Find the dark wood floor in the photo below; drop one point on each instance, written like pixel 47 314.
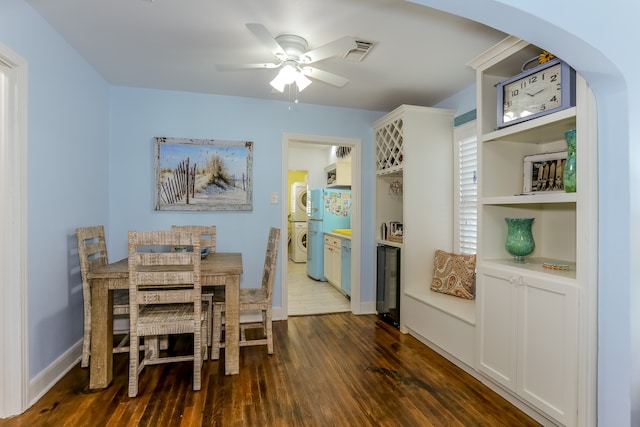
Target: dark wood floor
pixel 329 370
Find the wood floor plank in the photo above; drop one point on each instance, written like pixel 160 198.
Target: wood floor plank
pixel 329 370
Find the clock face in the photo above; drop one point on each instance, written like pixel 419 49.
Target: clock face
pixel 533 94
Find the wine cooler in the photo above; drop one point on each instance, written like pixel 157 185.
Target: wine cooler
pixel 388 284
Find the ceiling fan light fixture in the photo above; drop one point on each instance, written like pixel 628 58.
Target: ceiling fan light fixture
pixel 277 84
pixel 288 74
pixel 302 81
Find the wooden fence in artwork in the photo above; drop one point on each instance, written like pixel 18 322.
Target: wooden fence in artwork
pixel 180 187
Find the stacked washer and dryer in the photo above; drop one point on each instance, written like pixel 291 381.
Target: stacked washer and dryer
pixel 298 221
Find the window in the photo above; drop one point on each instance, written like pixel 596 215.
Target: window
pixel 466 188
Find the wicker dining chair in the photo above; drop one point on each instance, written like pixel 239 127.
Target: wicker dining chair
pixel 165 299
pixel 207 240
pixel 207 234
pixel 92 251
pixel 251 299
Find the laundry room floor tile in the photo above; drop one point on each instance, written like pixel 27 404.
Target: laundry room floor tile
pixel 308 296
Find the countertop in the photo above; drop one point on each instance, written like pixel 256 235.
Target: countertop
pixel 339 236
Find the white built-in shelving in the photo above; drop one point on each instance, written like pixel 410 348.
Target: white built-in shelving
pixel 536 327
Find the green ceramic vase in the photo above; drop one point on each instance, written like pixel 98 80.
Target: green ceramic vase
pixel 519 238
pixel 569 173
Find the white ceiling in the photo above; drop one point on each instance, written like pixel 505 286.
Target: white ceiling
pixel 419 54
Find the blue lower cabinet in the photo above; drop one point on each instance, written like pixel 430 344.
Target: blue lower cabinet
pixel 345 261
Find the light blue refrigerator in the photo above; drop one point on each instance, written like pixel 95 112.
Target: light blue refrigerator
pixel 327 209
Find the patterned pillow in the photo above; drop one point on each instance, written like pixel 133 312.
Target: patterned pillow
pixel 454 274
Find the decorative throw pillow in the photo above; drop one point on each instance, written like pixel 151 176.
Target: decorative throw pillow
pixel 454 274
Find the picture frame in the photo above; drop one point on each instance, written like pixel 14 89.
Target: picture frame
pixel 203 174
pixel 543 172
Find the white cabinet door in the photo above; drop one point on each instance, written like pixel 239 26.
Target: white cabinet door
pixel 527 336
pixel 328 261
pixel 337 264
pixel 496 301
pixel 548 347
pixel 333 260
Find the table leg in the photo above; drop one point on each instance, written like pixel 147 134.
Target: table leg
pixel 232 325
pixel 101 360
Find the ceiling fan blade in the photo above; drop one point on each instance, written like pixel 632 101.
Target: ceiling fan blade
pixel 334 48
pixel 261 32
pixel 224 67
pixel 325 76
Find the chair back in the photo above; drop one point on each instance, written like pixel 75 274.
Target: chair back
pixel 92 251
pixel 270 261
pixel 207 234
pixel 164 277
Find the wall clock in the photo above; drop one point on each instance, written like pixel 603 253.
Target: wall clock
pixel 544 89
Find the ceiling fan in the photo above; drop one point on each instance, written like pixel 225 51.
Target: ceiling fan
pixel 294 58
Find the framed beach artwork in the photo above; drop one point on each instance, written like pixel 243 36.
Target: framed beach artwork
pixel 203 174
pixel 543 172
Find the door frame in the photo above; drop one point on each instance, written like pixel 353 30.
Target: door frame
pixel 356 212
pixel 14 339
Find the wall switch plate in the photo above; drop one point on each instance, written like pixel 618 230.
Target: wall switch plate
pixel 274 198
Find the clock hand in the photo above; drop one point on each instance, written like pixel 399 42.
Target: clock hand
pixel 535 93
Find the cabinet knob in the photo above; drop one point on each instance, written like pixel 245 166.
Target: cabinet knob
pixel 517 281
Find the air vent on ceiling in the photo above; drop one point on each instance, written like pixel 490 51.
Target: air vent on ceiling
pixel 359 52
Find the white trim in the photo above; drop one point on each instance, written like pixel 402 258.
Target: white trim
pixel 368 307
pixel 53 373
pixel 14 342
pixel 356 213
pixel 514 400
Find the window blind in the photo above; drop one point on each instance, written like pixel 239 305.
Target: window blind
pixel 467 192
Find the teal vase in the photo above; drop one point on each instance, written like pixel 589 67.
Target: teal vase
pixel 519 238
pixel 569 173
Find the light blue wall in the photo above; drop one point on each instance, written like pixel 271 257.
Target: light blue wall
pixel 462 102
pixel 67 175
pixel 139 115
pixel 597 38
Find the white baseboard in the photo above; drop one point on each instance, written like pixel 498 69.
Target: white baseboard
pixel 277 314
pixel 48 377
pixel 451 358
pixel 365 308
pixel 514 400
pixel 368 307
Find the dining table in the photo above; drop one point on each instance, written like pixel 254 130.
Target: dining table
pixel 216 269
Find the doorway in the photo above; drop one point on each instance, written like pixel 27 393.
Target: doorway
pixel 318 148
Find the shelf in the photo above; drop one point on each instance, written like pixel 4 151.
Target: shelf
pixel 338 175
pixel 532 198
pixel 539 131
pixel 534 265
pixel 390 172
pixel 388 243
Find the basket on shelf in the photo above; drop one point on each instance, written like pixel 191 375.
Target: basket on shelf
pixel 396 239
